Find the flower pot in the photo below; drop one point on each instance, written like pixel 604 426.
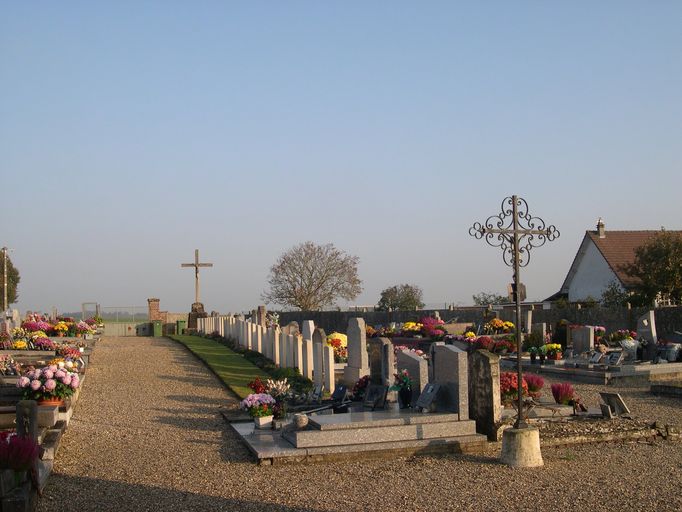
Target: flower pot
pixel 555 357
pixel 405 395
pixel 52 402
pixel 542 359
pixel 533 358
pixel 263 421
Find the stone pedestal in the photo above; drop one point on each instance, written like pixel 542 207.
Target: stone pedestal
pixel 197 312
pixel 521 448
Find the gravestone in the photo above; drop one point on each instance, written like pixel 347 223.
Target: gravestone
pixel 484 392
pixel 418 370
pixel 646 330
pixel 596 358
pixel 450 370
pixel 540 328
pixel 27 419
pixel 583 339
pixel 427 397
pixel 261 315
pixel 319 339
pixel 432 357
pixel 358 359
pixel 307 329
pixel 528 317
pixel 381 361
pixel 291 328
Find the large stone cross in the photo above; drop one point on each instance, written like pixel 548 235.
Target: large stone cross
pixel 196 266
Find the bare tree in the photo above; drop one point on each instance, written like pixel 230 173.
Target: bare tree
pixel 310 277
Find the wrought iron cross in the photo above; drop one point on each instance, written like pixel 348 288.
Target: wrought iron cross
pixel 516 232
pixel 196 266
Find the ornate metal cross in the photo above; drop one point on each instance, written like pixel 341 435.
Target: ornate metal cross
pixel 516 232
pixel 196 266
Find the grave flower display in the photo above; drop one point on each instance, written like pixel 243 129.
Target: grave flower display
pixel 260 408
pixel 339 343
pixel 61 328
pixel 83 328
pixel 18 454
pixel 563 393
pixel 553 350
pixel 279 390
pixel 402 383
pixel 411 329
pixel 509 387
pixel 497 326
pixel 44 343
pixel 535 384
pixel 8 366
pixel 360 387
pixel 50 383
pixel 433 328
pixel 622 334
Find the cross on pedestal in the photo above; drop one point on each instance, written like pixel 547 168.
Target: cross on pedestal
pixel 196 266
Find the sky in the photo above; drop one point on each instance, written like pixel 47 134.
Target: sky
pixel 132 133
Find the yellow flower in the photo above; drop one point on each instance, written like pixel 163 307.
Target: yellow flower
pixel 19 345
pixel 339 336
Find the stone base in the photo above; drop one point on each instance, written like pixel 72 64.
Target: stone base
pixel 351 375
pixel 521 448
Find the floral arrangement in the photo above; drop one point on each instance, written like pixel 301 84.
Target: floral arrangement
pixel 401 380
pixel 61 328
pixel 69 352
pixel 48 383
pixel 19 453
pixel 469 335
pixel 19 345
pixel 84 328
pixel 622 334
pixel 339 343
pixel 552 349
pixel 497 326
pixel 381 332
pixel 535 384
pixel 433 328
pixel 415 351
pixel 8 366
pixel 36 325
pixel 271 320
pixel 509 386
pixel 490 344
pixel 278 389
pixel 563 393
pixel 44 343
pixel 258 404
pixel 19 333
pixel 257 385
pixel 360 387
pixel 411 329
pixel 599 331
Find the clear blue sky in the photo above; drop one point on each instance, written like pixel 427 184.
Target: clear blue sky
pixel 132 133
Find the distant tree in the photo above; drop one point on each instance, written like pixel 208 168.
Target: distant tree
pixel 310 277
pixel 403 297
pixel 658 268
pixel 614 295
pixel 484 298
pixel 12 281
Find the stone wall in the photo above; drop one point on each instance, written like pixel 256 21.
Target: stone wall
pixel 332 321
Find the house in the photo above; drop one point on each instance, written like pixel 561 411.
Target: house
pixel 599 262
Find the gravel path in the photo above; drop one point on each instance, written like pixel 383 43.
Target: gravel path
pixel 147 435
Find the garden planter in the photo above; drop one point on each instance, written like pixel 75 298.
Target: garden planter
pixel 52 402
pixel 263 421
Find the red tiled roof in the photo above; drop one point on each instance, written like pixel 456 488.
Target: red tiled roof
pixel 618 249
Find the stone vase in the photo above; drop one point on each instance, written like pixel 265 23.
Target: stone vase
pixel 405 395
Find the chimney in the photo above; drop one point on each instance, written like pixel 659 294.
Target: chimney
pixel 601 228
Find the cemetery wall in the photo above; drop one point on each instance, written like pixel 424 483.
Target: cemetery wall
pixel 332 321
pixel 668 319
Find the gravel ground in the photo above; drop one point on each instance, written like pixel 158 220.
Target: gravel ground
pixel 147 435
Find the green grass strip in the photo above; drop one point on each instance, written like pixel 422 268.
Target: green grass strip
pixel 235 371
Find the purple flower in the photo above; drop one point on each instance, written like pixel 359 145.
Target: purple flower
pixel 67 380
pixel 53 367
pixel 48 374
pixel 35 385
pixel 75 382
pixel 50 384
pixel 59 374
pixel 23 382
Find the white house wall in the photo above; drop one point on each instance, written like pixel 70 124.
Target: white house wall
pixel 592 276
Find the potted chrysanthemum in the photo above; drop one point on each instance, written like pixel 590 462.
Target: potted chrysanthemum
pixel 49 385
pixel 260 407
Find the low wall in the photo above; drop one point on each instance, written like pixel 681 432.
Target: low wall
pixel 668 320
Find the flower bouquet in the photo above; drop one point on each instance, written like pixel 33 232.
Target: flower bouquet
pixel 61 328
pixel 260 408
pixel 509 387
pixel 339 343
pixel 50 383
pixel 402 383
pixel 18 454
pixel 553 351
